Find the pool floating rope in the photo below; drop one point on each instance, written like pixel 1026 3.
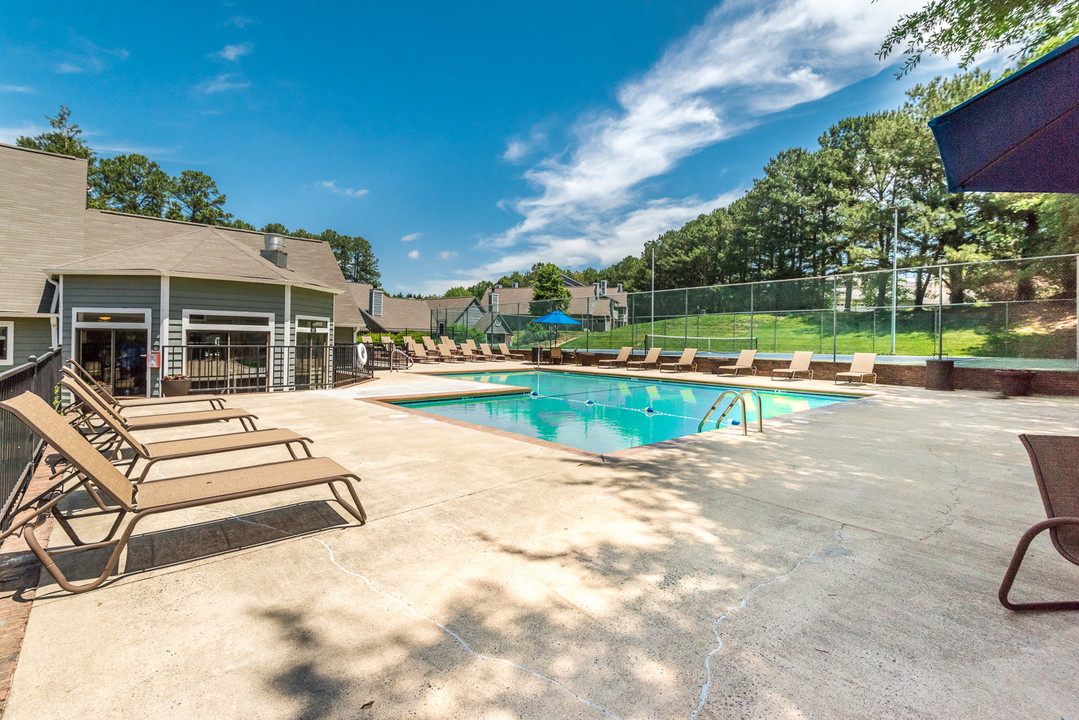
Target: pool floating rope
pixel 649 409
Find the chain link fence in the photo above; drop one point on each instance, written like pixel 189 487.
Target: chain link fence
pixel 1006 313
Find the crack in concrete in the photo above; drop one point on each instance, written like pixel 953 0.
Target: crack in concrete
pixel 949 518
pixel 461 641
pixel 715 631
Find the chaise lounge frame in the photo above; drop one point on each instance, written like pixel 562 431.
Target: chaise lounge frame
pixel 93 471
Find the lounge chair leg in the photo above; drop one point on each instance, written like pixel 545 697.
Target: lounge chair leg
pixel 357 510
pixel 47 562
pixel 1017 560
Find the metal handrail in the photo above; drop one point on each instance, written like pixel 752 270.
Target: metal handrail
pixel 737 398
pixel 398 351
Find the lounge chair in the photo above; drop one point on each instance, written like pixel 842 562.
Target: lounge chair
pixel 510 354
pixel 651 359
pixel 620 360
pixel 861 367
pixel 555 356
pixel 1055 459
pixel 485 350
pixel 685 362
pixel 417 353
pixel 445 355
pixel 429 345
pixel 86 396
pixel 366 340
pixel 80 372
pixel 744 362
pixel 159 496
pixel 467 354
pixel 799 364
pixel 189 447
pixel 451 345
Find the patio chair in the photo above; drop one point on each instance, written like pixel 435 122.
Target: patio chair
pixel 744 362
pixel 79 371
pixel 451 345
pixel 87 398
pixel 620 360
pixel 510 354
pixel 555 356
pixel 682 363
pixel 651 359
pixel 419 354
pixel 91 470
pixel 429 345
pixel 1055 460
pixel 467 354
pixel 485 350
pixel 188 447
pixel 861 367
pixel 366 340
pixel 799 364
pixel 445 355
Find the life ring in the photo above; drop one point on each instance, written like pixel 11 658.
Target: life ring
pixel 361 353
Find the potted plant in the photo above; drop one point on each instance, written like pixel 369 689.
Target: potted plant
pixel 175 385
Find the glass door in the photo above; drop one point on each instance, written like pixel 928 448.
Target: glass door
pixel 115 358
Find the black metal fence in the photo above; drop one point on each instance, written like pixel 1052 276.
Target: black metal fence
pixel 223 369
pixel 20 448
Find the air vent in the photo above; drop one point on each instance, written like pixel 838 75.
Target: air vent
pixel 376 303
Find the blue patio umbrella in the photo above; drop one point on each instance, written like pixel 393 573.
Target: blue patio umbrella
pixel 1021 134
pixel 556 317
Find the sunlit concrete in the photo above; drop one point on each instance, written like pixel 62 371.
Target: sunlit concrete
pixel 843 564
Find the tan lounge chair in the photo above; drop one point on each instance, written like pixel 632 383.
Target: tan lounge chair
pixel 555 356
pixel 651 359
pixel 467 354
pixel 1055 459
pixel 485 350
pixel 429 345
pixel 189 447
pixel 91 469
pixel 619 361
pixel 80 372
pixel 85 395
pixel 799 364
pixel 366 340
pixel 744 362
pixel 418 353
pixel 510 354
pixel 685 362
pixel 861 367
pixel 445 355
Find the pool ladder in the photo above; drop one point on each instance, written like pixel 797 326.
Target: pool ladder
pixel 407 361
pixel 737 398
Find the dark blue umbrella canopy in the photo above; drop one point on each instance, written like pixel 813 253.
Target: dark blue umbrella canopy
pixel 557 318
pixel 1021 134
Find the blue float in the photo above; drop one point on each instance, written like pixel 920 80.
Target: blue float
pixel 649 409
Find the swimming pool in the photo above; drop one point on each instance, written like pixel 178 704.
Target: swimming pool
pixel 602 414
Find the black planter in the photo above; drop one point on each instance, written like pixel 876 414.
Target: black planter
pixel 1015 382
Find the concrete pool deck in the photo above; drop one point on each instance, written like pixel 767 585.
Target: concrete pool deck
pixel 843 564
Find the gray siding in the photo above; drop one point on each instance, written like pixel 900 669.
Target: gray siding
pixel 311 303
pixel 114 292
pixel 344 335
pixel 223 296
pixel 31 336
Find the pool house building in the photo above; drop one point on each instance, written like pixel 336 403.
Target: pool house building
pixel 135 298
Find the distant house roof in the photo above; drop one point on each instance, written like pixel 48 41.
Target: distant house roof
pixel 583 301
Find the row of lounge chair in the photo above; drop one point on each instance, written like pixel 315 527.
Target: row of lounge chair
pixel 861 367
pixel 449 351
pixel 99 430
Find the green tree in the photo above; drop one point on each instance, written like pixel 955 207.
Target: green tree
pixel 131 184
pixel 548 291
pixel 355 256
pixel 967 27
pixel 457 291
pixel 64 139
pixel 240 225
pixel 195 198
pixel 275 228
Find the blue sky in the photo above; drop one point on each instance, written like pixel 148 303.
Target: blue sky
pixel 463 140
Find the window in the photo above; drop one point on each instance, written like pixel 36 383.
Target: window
pixel 7 339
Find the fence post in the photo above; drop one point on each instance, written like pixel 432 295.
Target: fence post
pixel 940 311
pixel 835 341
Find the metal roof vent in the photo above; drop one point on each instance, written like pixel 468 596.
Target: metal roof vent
pixel 275 250
pixel 603 288
pixel 376 303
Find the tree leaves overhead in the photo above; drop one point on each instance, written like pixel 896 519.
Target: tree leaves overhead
pixel 965 28
pixel 131 184
pixel 64 139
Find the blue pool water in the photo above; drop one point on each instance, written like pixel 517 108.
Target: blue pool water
pixel 604 414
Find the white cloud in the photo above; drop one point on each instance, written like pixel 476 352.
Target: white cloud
pixel 87 57
pixel 9 135
pixel 234 52
pixel 66 68
pixel 331 185
pixel 238 21
pixel 414 254
pixel 515 150
pixel 223 83
pixel 16 89
pixel 447 255
pixel 745 61
pixel 411 236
